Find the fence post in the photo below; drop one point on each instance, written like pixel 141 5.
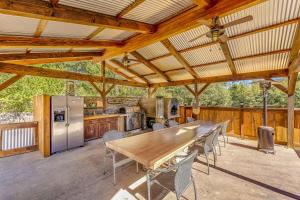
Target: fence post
pixel 242 120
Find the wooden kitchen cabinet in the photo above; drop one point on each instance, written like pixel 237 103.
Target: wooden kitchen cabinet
pixel 95 128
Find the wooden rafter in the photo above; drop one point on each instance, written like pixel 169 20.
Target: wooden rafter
pixel 40 28
pixel 149 65
pixel 227 78
pixel 116 71
pixel 202 3
pixel 95 33
pixel 226 51
pixel 32 42
pixel 135 4
pixel 129 70
pixel 10 81
pixel 38 71
pixel 43 10
pixel 179 57
pixel 56 57
pixel 178 24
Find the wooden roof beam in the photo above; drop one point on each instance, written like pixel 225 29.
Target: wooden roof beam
pixel 129 8
pixel 50 73
pixel 178 24
pixel 227 54
pixel 294 62
pixel 32 42
pixel 10 81
pixel 179 57
pixel 150 65
pixel 43 10
pixel 227 78
pixel 95 33
pixel 130 71
pixel 118 72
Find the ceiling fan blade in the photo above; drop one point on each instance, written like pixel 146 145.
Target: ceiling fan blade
pixel 223 38
pixel 239 21
pixel 207 23
pixel 197 38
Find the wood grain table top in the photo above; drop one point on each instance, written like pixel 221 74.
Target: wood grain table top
pixel 154 148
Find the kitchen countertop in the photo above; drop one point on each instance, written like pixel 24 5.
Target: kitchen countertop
pixel 103 116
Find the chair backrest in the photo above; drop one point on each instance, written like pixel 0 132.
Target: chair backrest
pixel 224 127
pixel 189 119
pixel 158 126
pixel 216 133
pixel 184 173
pixel 172 123
pixel 112 135
pixel 210 139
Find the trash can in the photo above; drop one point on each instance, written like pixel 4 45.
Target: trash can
pixel 266 139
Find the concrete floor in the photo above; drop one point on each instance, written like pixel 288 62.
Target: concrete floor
pixel 241 173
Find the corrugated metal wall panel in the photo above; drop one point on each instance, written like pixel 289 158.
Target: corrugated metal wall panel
pixel 155 79
pixel 15 25
pixel 154 50
pixel 181 41
pixel 109 7
pixel 4 50
pixel 263 42
pixel 179 75
pixel 154 11
pixel 262 63
pixel 113 34
pixel 264 14
pixel 204 55
pixel 67 30
pixel 213 70
pixel 141 69
pixel 167 63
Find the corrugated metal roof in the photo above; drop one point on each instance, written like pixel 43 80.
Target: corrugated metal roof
pixel 109 7
pixel 49 50
pixel 181 41
pixel 113 34
pixel 167 63
pixel 141 69
pixel 204 55
pixel 4 50
pixel 272 40
pixel 154 11
pixel 154 50
pixel 179 75
pixel 262 63
pixel 87 50
pixel 155 78
pixel 67 30
pixel 213 70
pixel 264 14
pixel 120 69
pixel 15 25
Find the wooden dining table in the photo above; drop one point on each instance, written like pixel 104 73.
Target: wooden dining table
pixel 152 149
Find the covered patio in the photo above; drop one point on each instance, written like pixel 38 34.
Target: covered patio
pixel 242 172
pixel 150 44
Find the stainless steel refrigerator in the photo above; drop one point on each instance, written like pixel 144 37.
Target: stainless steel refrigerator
pixel 66 123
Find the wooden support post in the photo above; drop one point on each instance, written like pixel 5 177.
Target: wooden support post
pixel 196 95
pixel 103 93
pixel 291 122
pixel 151 92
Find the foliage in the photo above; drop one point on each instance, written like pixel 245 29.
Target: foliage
pixel 18 97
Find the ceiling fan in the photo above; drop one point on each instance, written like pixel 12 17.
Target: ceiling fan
pixel 217 31
pixel 126 60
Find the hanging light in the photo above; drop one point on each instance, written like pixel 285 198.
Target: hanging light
pixel 215 35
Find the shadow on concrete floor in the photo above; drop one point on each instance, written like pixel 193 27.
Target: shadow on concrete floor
pixel 261 184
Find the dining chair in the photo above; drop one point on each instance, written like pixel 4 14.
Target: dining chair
pixel 224 131
pixel 205 145
pixel 189 119
pixel 178 177
pixel 158 126
pixel 172 123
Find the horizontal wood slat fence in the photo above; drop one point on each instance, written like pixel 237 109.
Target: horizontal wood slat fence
pixel 245 121
pixel 17 138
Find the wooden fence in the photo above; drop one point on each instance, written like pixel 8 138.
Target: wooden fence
pixel 17 138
